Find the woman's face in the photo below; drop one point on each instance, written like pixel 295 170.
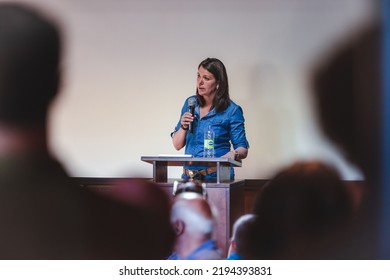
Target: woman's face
pixel 206 83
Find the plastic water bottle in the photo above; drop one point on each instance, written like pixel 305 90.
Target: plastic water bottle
pixel 208 151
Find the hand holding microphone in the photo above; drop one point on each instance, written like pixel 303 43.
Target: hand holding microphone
pixel 191 110
pixel 188 117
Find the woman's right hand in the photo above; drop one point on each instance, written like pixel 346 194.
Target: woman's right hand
pixel 179 137
pixel 186 119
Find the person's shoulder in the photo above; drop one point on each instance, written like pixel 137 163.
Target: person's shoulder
pixel 234 256
pixel 124 218
pixel 190 97
pixel 234 107
pixel 185 105
pixel 233 104
pixel 208 254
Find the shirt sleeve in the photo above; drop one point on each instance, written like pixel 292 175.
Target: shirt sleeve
pixel 237 129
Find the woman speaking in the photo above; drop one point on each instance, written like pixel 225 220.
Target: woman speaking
pixel 213 109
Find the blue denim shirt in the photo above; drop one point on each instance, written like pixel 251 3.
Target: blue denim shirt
pixel 208 250
pixel 228 127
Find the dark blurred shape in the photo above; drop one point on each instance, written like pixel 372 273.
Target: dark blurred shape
pixel 300 212
pixel 43 214
pixel 30 51
pixel 347 91
pixel 347 87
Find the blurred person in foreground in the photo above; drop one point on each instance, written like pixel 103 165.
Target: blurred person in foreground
pixel 346 85
pixel 43 214
pixel 238 243
pixel 193 220
pixel 300 214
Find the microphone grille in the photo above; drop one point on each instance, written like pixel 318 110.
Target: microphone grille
pixel 192 101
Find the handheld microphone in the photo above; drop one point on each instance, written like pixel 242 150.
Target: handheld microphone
pixel 191 109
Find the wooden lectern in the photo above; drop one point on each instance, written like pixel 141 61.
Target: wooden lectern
pixel 161 163
pixel 225 195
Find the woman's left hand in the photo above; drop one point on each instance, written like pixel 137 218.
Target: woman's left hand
pixel 231 155
pixel 238 154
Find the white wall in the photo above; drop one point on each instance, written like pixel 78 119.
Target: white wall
pixel 129 65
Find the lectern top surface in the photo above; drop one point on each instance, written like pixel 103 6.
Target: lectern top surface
pixel 180 160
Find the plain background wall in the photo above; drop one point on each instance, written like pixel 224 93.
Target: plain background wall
pixel 129 65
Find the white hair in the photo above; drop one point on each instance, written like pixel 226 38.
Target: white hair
pixel 196 223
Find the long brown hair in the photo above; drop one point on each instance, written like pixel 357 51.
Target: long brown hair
pixel 222 98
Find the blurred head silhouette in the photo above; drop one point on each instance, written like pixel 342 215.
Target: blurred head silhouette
pixel 346 87
pixel 44 214
pixel 297 210
pixel 29 64
pixel 347 90
pixel 239 240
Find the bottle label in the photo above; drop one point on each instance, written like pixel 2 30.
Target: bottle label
pixel 209 144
